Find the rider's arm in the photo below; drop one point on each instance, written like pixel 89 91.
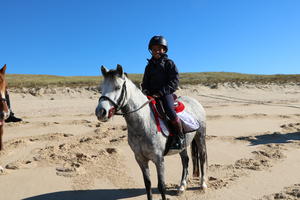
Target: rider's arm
pixel 145 82
pixel 173 78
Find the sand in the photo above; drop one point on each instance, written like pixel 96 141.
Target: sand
pixel 61 151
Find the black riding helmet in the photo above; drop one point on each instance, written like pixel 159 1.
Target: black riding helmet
pixel 158 40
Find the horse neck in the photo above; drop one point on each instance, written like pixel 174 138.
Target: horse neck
pixel 135 100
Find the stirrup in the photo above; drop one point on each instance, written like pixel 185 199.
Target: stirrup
pixel 178 144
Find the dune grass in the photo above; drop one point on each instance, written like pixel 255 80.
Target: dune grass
pixel 34 81
pixel 204 78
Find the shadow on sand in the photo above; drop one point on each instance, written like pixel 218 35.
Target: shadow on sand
pixel 101 194
pixel 107 194
pixel 275 138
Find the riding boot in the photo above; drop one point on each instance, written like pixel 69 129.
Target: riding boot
pixel 12 118
pixel 178 139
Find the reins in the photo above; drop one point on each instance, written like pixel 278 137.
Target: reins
pixel 118 106
pixel 147 102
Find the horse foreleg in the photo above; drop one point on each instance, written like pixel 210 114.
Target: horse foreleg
pixel 185 163
pixel 144 165
pixel 160 167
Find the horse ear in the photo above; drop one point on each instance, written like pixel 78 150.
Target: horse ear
pixel 120 70
pixel 2 70
pixel 104 70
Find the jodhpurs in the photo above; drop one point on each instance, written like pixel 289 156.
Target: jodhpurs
pixel 168 104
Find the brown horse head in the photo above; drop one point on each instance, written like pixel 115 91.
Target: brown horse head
pixel 4 111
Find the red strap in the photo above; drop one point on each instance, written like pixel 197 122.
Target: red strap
pixel 156 115
pixel 179 108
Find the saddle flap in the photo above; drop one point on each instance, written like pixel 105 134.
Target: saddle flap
pixel 159 108
pixel 189 123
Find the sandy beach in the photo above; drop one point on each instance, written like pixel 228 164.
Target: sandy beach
pixel 61 151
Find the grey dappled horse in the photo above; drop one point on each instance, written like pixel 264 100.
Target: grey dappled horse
pixel 121 96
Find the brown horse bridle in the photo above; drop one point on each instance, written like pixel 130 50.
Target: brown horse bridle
pixel 3 99
pixel 3 105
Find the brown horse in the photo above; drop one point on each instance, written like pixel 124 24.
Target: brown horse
pixel 4 111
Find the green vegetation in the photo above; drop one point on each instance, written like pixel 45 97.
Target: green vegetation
pixel 204 78
pixel 34 81
pixel 210 78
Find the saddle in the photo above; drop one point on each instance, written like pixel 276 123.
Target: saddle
pixel 189 123
pixel 158 106
pixel 161 116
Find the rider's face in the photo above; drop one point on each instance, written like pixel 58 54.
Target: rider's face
pixel 157 50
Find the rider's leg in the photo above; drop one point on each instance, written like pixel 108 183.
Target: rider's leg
pixel 179 135
pixel 11 117
pixel 168 104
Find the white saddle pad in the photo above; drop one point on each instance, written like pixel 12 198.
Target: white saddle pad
pixel 189 123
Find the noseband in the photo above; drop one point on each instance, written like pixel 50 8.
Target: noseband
pixel 4 100
pixel 4 103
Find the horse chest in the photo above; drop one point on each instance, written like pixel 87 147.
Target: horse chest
pixel 141 143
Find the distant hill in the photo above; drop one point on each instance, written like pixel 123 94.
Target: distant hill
pixel 204 78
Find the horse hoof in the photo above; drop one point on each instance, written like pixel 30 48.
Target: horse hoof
pixel 181 190
pixel 204 187
pixel 1 169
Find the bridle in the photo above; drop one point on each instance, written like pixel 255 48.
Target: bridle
pixel 3 106
pixel 117 106
pixel 3 99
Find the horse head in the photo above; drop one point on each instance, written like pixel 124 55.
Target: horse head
pixel 4 111
pixel 114 93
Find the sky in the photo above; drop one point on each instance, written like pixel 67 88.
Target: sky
pixel 76 37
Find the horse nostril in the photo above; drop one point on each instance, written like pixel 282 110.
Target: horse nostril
pixel 102 112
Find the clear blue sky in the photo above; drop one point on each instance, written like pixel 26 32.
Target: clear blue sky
pixel 76 37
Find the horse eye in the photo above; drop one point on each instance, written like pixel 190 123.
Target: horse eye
pixel 118 87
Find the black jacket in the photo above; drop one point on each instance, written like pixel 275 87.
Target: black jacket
pixel 161 76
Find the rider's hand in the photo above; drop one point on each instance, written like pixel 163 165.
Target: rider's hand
pixel 158 94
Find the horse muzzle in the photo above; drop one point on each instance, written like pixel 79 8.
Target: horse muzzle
pixel 103 115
